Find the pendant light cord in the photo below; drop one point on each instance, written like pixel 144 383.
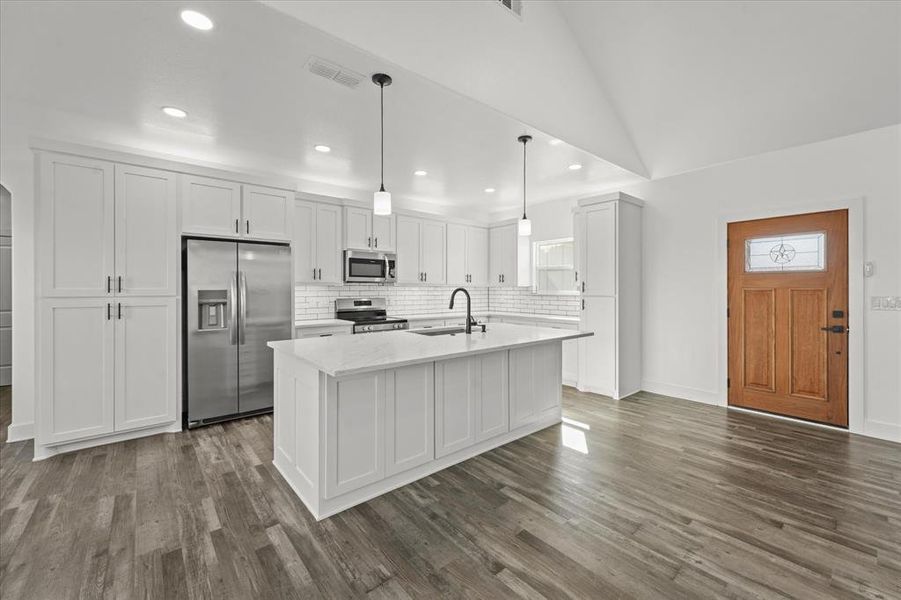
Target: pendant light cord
pixel 382 117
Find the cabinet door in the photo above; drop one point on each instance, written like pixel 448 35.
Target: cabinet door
pixel 354 432
pixel 502 248
pixel 492 415
pixel 456 254
pixel 597 353
pixel 145 362
pixel 522 395
pixel 477 255
pixel 328 244
pixel 210 206
pixel 599 251
pixel 384 232
pixel 457 387
pixel 146 234
pixel 434 250
pixel 304 242
pixel 76 370
pixel 408 250
pixel 267 213
pixel 357 228
pixel 409 417
pixel 76 226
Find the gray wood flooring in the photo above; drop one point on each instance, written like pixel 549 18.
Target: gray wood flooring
pixel 647 497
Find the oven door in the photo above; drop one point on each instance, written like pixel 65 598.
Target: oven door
pixel 365 267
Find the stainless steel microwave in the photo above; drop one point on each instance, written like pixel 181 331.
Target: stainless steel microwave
pixel 361 266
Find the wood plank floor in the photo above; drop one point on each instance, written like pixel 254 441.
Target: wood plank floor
pixel 647 497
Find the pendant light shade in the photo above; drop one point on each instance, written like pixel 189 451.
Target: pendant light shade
pixel 381 200
pixel 525 225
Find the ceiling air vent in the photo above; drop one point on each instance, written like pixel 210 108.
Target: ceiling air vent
pixel 514 6
pixel 337 73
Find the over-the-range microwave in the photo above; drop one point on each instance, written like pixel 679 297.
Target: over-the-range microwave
pixel 362 266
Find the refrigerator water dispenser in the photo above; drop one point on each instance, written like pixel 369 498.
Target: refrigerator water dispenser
pixel 212 309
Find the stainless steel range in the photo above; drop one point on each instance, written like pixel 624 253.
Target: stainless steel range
pixel 368 314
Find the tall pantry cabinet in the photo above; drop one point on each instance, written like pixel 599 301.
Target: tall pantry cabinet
pixel 107 251
pixel 608 238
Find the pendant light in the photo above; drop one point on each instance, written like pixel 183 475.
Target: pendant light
pixel 381 200
pixel 525 225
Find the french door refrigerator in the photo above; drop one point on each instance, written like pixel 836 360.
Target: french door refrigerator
pixel 237 297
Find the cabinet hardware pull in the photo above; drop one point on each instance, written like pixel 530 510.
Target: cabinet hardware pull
pixel 314 272
pixel 320 274
pixel 577 276
pixel 109 284
pixel 119 283
pixel 376 242
pixel 247 226
pixel 583 303
pixel 108 309
pixel 583 285
pixel 369 242
pixel 119 311
pixel 236 225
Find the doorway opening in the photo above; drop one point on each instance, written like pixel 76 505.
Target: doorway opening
pixel 6 315
pixel 788 316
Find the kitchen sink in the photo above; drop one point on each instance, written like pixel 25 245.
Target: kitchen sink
pixel 444 331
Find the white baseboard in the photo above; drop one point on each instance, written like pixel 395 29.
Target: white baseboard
pixel 683 392
pixel 884 431
pixel 19 432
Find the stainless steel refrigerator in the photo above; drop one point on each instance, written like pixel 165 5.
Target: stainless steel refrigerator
pixel 237 297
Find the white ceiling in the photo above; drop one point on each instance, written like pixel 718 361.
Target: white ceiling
pixel 701 83
pixel 100 71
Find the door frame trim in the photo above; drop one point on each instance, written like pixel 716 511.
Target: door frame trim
pixel 856 296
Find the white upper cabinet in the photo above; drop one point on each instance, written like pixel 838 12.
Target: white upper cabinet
pixel 366 231
pixel 599 244
pixel 77 229
pixel 409 250
pixel 420 250
pixel 456 255
pixel 503 243
pixel 467 255
pixel 357 228
pixel 145 364
pixel 433 251
pixel 267 213
pixel 210 206
pixel 384 232
pixel 317 242
pixel 146 235
pixel 221 208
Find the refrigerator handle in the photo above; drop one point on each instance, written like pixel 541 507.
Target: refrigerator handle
pixel 233 309
pixel 242 306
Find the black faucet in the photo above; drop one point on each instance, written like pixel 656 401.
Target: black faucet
pixel 469 320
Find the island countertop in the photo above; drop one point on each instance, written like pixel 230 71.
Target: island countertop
pixel 351 354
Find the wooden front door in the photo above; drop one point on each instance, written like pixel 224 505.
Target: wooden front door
pixel 788 316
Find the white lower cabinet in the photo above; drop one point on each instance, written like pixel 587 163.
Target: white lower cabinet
pixel 145 362
pixel 535 383
pixel 108 365
pixel 457 387
pixel 409 417
pixel 355 432
pixel 492 410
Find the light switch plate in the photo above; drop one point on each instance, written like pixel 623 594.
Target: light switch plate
pixel 868 269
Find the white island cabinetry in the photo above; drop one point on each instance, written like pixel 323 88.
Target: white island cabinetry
pixel 355 418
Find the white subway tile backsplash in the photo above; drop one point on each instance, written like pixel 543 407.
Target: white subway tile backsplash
pixel 318 302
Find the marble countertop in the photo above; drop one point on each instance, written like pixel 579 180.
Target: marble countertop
pixel 534 317
pixel 442 316
pixel 322 323
pixel 347 355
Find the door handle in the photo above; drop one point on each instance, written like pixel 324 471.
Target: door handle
pixel 232 301
pixel 835 329
pixel 242 305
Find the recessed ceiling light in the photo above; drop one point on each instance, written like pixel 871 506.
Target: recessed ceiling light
pixel 321 148
pixel 555 142
pixel 420 173
pixel 575 167
pixel 175 112
pixel 489 190
pixel 196 20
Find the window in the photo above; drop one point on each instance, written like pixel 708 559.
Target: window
pixel 554 269
pixel 798 252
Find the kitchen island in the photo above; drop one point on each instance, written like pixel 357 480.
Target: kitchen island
pixel 359 415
